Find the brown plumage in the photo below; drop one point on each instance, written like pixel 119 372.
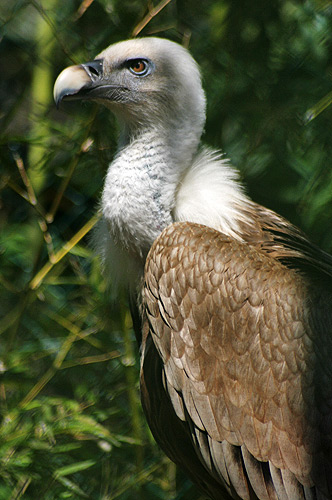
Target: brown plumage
pixel 241 361
pixel 236 343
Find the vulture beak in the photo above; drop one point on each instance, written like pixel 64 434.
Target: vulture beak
pixel 79 82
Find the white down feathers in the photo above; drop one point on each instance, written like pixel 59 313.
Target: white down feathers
pixel 209 193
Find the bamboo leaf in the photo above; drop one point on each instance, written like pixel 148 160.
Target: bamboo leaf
pixel 71 469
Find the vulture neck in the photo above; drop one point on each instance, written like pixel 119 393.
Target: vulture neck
pixel 155 180
pixel 139 192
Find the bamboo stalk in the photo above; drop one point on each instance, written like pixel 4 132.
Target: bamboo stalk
pixel 41 95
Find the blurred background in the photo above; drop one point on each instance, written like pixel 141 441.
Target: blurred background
pixel 71 421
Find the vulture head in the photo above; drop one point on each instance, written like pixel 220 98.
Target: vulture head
pixel 147 82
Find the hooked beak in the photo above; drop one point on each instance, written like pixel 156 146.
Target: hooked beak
pixel 79 82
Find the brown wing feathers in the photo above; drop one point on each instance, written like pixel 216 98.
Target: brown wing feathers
pixel 232 329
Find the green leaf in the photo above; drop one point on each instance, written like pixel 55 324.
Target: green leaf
pixel 71 469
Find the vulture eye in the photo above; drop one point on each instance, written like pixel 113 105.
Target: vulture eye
pixel 138 67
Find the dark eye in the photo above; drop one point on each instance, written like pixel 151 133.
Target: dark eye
pixel 138 67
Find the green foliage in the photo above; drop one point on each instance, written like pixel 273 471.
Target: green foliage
pixel 71 421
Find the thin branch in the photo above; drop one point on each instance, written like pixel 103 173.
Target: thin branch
pixel 72 166
pixel 150 15
pixel 99 358
pixel 39 277
pixel 82 9
pixel 25 178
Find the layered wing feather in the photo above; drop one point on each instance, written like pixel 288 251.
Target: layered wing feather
pixel 244 345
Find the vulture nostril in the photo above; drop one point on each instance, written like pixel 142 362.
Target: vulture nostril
pixel 94 68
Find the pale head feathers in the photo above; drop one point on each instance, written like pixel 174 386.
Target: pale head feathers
pixel 169 98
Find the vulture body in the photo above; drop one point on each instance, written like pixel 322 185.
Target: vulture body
pixel 236 372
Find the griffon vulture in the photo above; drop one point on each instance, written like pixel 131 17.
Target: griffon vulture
pixel 236 303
